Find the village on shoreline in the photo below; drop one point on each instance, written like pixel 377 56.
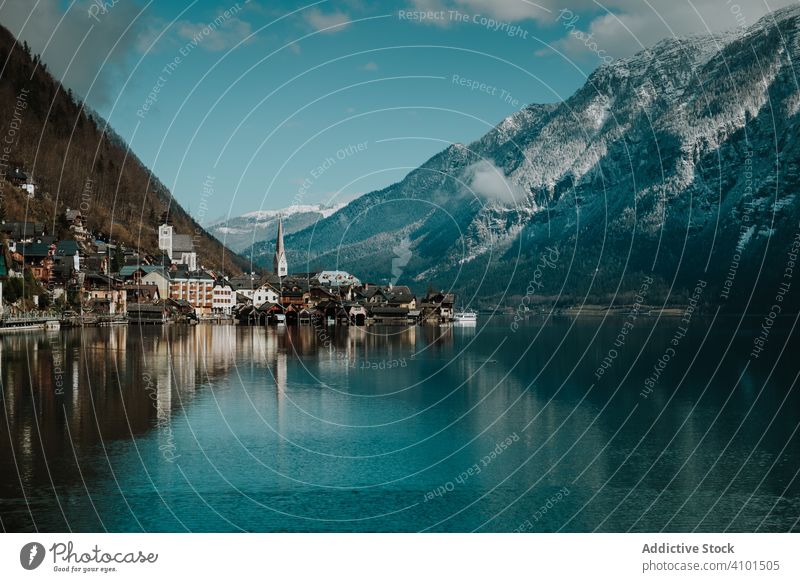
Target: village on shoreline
pixel 83 280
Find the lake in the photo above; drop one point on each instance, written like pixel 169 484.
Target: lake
pixel 557 424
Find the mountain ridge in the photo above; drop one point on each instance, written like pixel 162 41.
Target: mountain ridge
pixel 637 173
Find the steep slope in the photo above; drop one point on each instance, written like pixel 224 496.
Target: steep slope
pixel 679 162
pixel 79 162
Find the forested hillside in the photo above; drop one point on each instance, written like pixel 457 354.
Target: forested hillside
pixel 78 162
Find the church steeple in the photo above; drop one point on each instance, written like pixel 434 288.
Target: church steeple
pixel 279 266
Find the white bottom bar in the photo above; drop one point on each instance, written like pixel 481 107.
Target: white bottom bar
pixel 403 557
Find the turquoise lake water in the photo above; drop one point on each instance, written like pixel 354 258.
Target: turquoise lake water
pixel 491 428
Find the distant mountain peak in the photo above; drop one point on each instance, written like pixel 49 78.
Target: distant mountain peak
pixel 259 226
pixel 322 209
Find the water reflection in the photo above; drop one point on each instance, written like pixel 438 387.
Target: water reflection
pixel 223 427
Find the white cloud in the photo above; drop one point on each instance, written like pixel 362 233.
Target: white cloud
pixel 490 183
pixel 370 66
pixel 429 5
pixel 330 22
pixel 221 37
pixel 114 37
pixel 619 27
pixel 57 37
pixel 503 10
pixel 508 10
pixel 633 24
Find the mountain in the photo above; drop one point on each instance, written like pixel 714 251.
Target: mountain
pixel 79 162
pixel 679 163
pixel 261 226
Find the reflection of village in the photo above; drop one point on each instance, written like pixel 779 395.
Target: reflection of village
pixel 68 392
pixel 83 280
pixel 160 366
pixel 164 366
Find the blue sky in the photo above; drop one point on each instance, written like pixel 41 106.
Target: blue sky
pixel 274 103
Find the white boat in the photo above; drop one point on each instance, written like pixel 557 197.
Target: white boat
pixel 465 317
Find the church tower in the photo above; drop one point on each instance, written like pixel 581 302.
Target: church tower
pixel 165 235
pixel 279 266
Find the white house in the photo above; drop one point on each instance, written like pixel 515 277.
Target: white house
pixel 160 279
pixel 195 287
pixel 223 298
pixel 266 293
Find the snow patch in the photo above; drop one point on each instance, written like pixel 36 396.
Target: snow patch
pixel 784 202
pixel 231 230
pixel 745 238
pixel 597 111
pixel 264 215
pixel 793 104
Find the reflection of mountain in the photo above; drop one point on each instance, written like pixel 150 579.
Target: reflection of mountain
pixel 665 161
pixel 272 423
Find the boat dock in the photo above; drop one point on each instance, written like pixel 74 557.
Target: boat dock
pixel 29 322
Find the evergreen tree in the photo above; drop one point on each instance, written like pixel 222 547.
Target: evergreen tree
pixel 118 261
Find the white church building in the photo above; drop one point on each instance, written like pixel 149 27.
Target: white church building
pixel 178 247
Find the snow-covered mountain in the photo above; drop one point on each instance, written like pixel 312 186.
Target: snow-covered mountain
pixel 260 226
pixel 680 162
